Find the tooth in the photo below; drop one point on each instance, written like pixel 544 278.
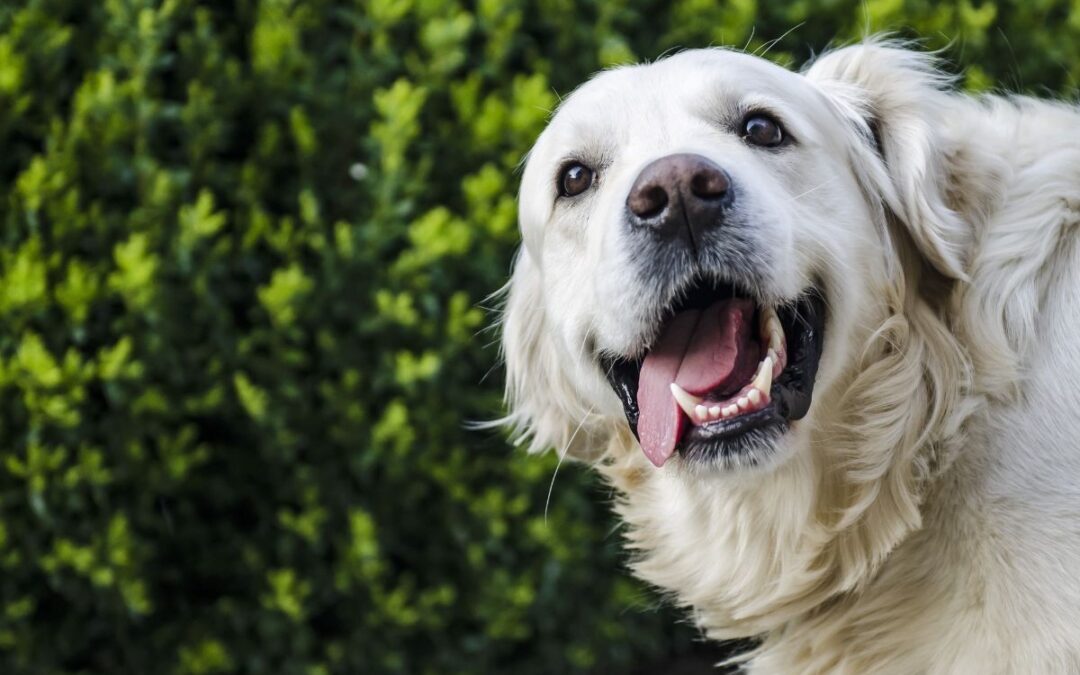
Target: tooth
pixel 776 339
pixel 702 412
pixel 731 410
pixel 754 395
pixel 778 363
pixel 687 401
pixel 744 403
pixel 766 314
pixel 763 381
pixel 714 411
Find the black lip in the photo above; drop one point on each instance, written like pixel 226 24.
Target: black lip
pixel 734 437
pixel 790 397
pixel 725 429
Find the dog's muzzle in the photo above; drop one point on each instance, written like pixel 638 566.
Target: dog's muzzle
pixel 724 370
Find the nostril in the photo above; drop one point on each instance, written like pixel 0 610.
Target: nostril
pixel 648 201
pixel 709 184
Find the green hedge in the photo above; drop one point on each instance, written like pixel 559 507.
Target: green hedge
pixel 243 263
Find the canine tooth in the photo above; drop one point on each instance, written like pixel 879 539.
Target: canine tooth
pixel 769 319
pixel 775 358
pixel 763 381
pixel 754 395
pixel 687 401
pixel 766 315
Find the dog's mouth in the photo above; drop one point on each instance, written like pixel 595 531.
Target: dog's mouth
pixel 724 374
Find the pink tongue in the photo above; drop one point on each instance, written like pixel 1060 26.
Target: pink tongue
pixel 698 350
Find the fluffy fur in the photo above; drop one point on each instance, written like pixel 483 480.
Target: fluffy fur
pixel 925 516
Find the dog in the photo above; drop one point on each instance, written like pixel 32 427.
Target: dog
pixel 821 331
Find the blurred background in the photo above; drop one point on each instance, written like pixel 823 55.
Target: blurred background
pixel 244 257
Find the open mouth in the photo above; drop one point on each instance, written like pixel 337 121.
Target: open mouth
pixel 724 375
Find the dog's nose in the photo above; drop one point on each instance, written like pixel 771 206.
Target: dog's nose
pixel 680 197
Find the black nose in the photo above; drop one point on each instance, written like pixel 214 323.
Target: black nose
pixel 680 197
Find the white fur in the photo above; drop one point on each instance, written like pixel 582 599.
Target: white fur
pixel 925 516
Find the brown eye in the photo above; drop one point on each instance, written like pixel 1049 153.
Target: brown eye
pixel 763 131
pixel 576 178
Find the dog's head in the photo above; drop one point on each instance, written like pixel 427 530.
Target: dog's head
pixel 719 266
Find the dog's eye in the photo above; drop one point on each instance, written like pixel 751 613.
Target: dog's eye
pixel 762 130
pixel 576 178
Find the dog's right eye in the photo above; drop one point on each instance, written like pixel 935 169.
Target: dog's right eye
pixel 576 178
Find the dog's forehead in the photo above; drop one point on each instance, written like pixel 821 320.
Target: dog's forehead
pixel 691 81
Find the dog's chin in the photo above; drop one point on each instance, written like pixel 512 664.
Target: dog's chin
pixel 730 427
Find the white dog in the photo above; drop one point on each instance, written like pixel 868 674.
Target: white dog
pixel 822 332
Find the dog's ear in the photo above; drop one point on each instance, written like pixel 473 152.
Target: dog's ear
pixel 895 99
pixel 544 409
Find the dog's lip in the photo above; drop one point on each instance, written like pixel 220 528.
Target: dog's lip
pixel 725 428
pixel 790 394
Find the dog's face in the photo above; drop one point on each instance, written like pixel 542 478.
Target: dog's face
pixel 719 258
pixel 704 248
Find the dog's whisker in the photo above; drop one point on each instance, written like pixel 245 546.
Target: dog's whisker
pixel 814 189
pixel 753 30
pixel 562 455
pixel 566 448
pixel 772 43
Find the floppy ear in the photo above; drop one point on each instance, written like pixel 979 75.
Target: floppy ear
pixel 896 99
pixel 544 408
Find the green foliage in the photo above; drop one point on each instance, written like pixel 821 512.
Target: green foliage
pixel 243 255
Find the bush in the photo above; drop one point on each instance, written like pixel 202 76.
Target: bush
pixel 243 264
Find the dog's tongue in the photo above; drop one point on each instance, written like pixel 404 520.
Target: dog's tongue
pixel 698 350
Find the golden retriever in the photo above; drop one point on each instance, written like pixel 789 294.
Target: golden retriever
pixel 821 330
